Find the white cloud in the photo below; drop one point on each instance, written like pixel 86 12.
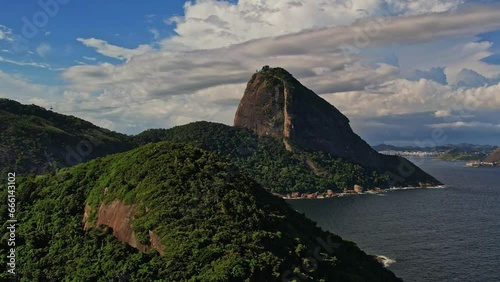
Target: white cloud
pixel 89 58
pixel 21 63
pixel 399 97
pixel 39 102
pixel 173 86
pixel 443 113
pixel 18 88
pixel 252 19
pixel 113 51
pixel 43 49
pixel 459 124
pixel 5 33
pixel 155 33
pixel 150 18
pixel 185 72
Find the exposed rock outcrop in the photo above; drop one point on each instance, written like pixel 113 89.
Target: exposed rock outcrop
pixel 118 216
pixel 493 157
pixel 276 104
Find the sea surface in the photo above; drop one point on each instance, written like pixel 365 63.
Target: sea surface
pixel 432 234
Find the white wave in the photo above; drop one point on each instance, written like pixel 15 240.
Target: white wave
pixel 385 261
pixel 414 187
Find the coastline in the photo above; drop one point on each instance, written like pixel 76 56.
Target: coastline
pixel 327 195
pixel 482 164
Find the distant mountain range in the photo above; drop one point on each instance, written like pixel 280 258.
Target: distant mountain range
pixel 463 147
pixel 448 152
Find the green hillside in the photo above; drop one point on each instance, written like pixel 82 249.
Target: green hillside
pixel 214 224
pixel 459 155
pixel 266 160
pixel 35 140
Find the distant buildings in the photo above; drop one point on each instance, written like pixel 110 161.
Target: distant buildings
pixel 481 164
pixel 410 153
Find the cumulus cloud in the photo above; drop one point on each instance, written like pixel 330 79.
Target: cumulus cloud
pixel 403 97
pixel 172 86
pixel 188 71
pixel 104 48
pixel 252 19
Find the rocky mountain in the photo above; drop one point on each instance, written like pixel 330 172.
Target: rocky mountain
pixel 35 140
pixel 197 207
pixel 170 212
pixel 493 157
pixel 38 141
pixel 276 104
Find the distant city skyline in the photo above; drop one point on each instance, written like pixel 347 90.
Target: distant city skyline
pixel 404 72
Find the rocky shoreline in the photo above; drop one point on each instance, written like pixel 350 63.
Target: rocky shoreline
pixel 357 190
pixel 482 164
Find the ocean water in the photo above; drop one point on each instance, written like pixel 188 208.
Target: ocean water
pixel 434 234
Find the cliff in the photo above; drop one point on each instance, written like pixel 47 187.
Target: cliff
pixel 276 104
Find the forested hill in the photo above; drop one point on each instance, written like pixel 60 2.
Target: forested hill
pixel 35 140
pixel 266 160
pixel 458 155
pixel 190 215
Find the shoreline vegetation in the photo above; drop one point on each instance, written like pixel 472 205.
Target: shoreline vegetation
pixel 357 190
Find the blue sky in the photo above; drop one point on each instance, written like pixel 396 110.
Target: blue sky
pixel 402 71
pixel 123 23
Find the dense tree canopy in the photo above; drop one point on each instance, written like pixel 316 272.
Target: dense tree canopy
pixel 215 224
pixel 266 160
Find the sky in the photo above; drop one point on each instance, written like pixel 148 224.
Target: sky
pixel 405 72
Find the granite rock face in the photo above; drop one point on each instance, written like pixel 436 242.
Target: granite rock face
pixel 276 104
